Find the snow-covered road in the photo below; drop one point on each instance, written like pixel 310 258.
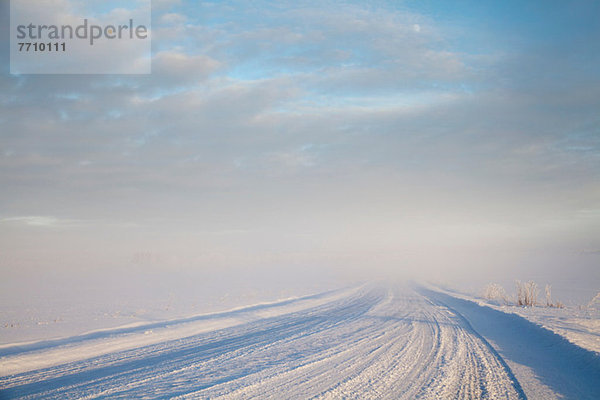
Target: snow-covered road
pixel 369 342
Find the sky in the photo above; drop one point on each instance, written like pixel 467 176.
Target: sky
pixel 431 139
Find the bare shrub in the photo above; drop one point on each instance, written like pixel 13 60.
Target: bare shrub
pixel 595 303
pixel 520 293
pixel 495 292
pixel 559 304
pixel 527 293
pixel 549 301
pixel 531 293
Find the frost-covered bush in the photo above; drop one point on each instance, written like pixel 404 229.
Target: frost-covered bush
pixel 549 301
pixel 595 303
pixel 495 292
pixel 527 293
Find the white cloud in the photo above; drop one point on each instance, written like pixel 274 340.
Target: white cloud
pixel 37 221
pixel 175 68
pixel 291 159
pixel 173 19
pixel 164 4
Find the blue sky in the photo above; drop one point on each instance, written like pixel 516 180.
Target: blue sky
pixel 431 135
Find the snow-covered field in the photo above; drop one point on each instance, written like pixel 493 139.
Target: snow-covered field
pixel 580 324
pixel 371 341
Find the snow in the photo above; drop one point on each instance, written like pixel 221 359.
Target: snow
pixel 546 364
pixel 368 341
pixel 579 324
pixel 38 306
pixel 96 343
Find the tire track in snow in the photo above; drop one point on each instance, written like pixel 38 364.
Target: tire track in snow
pixel 483 342
pixel 372 343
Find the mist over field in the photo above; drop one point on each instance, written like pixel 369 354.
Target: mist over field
pixel 281 149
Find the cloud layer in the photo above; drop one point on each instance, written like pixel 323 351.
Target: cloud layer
pixel 326 133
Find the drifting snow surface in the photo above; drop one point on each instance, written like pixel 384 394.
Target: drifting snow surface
pixel 366 342
pixel 578 324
